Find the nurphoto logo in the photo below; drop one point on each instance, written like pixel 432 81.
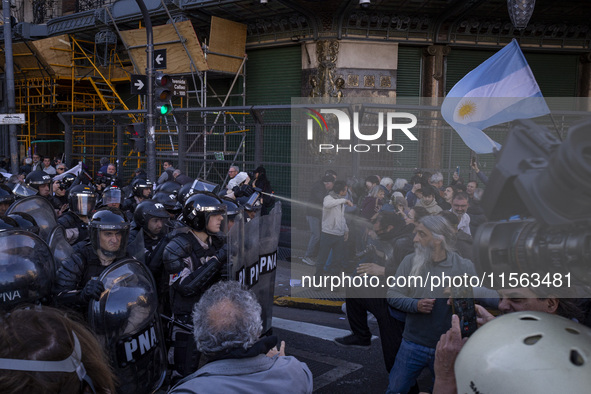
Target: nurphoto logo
pixel 390 121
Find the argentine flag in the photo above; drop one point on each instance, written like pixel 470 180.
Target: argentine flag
pixel 500 90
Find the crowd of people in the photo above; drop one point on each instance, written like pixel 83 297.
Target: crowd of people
pixel 176 228
pixel 389 228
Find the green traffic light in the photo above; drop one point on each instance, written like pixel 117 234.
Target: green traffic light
pixel 164 110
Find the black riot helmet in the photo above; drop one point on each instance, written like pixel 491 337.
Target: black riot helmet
pixel 108 221
pixel 200 207
pixel 185 192
pixel 147 210
pixel 6 196
pixel 112 195
pixel 27 269
pixel 139 185
pixel 7 223
pixel 169 201
pixel 170 187
pixel 24 221
pixel 232 208
pixel 82 200
pixel 37 178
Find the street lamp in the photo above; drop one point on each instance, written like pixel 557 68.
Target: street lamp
pixel 520 12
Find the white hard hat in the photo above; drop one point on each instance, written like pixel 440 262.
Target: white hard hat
pixel 526 352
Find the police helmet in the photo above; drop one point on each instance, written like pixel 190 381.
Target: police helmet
pixel 170 187
pixel 200 207
pixel 186 191
pixel 232 208
pixel 169 201
pixel 24 221
pixel 7 223
pixel 37 178
pixel 27 269
pixel 112 195
pixel 6 196
pixel 82 200
pixel 147 210
pixel 139 185
pixel 108 221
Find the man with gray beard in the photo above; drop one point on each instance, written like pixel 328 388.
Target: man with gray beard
pixel 428 314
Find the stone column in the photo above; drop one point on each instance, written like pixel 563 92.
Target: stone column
pixel 432 87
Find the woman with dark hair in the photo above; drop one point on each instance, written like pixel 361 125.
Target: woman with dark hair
pixel 43 351
pixel 260 181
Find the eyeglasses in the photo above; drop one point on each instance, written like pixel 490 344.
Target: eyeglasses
pixel 60 169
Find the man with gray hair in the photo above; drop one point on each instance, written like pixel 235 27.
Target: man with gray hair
pixel 227 326
pixel 428 314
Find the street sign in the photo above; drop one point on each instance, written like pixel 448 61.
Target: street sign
pixel 12 119
pixel 179 87
pixel 139 84
pixel 159 59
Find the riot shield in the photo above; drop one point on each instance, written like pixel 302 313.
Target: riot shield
pixel 200 185
pixel 127 323
pixel 27 269
pixel 270 227
pixel 59 246
pixel 245 268
pixel 40 209
pixel 235 246
pixel 137 247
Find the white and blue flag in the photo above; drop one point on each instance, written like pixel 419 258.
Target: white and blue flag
pixel 501 89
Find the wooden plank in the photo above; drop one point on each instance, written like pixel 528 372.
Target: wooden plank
pixel 178 61
pixel 229 38
pixel 25 64
pixel 55 51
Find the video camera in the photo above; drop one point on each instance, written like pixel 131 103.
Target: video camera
pixel 103 178
pixel 544 186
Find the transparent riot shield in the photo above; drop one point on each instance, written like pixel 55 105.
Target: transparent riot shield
pixel 245 267
pixel 41 210
pixel 27 269
pixel 59 246
pixel 264 288
pixel 127 322
pixel 137 247
pixel 235 245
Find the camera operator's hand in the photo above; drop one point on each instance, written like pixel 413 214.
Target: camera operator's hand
pixel 92 291
pixel 415 187
pixel 425 305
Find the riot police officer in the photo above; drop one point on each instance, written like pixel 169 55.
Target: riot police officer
pixel 76 282
pixel 141 189
pixel 170 202
pixel 40 181
pixel 81 204
pixel 194 260
pixel 6 198
pixel 150 223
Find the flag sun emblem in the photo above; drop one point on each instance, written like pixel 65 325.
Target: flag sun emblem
pixel 466 109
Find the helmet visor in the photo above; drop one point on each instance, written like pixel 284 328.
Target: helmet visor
pixel 112 197
pixel 84 204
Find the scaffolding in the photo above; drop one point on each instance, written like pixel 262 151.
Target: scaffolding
pixel 72 73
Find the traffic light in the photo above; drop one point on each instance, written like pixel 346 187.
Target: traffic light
pixel 137 133
pixel 162 94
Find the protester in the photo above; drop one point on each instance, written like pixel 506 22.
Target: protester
pixel 227 327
